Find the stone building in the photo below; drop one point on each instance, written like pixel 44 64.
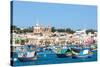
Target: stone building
pixel 41 30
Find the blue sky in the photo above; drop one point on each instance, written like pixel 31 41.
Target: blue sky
pixel 27 14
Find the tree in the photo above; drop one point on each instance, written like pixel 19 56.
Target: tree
pixel 22 42
pixel 15 29
pixel 90 31
pixel 26 40
pixel 17 41
pixel 68 30
pixel 18 30
pixel 53 29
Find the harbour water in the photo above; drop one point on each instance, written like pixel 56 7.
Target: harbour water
pixel 51 58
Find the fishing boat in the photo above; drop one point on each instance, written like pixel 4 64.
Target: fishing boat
pixel 85 54
pixel 63 53
pixel 29 56
pixel 26 53
pixel 74 53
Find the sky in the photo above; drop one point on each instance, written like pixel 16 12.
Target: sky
pixel 72 16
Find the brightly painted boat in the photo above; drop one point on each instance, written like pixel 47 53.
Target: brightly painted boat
pixel 75 53
pixel 84 54
pixel 63 53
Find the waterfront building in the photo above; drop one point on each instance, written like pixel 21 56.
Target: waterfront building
pixel 43 35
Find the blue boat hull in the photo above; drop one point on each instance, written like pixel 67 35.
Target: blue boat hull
pixel 62 55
